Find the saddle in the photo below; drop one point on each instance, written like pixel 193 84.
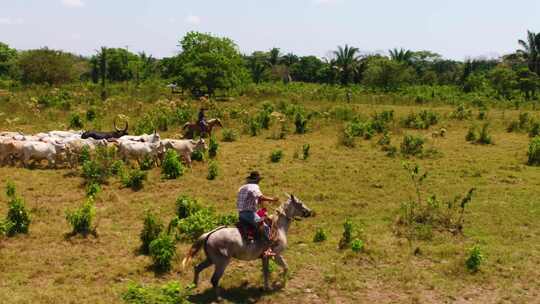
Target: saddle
pixel 248 232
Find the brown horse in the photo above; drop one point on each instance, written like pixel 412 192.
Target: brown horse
pixel 191 127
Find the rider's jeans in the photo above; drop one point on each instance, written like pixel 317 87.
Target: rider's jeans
pixel 253 218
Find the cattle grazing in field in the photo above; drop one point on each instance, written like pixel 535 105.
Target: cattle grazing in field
pixel 185 147
pixel 106 135
pixel 139 150
pixel 38 151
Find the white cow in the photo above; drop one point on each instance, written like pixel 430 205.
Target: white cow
pixel 185 147
pixel 150 138
pixel 139 150
pixel 38 151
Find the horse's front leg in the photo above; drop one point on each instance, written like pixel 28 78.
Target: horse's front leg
pixel 280 260
pixel 266 272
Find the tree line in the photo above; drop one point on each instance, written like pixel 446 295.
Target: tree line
pixel 207 64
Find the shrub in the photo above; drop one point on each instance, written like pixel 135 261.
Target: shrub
pixel 320 235
pixel 348 234
pixel 305 151
pixel 162 250
pixel 422 120
pixel 171 293
pixel 385 140
pixel 5 227
pixel 534 130
pixel 92 190
pixel 81 219
pixel 213 147
pixel 152 227
pixel 253 126
pixel 475 259
pixel 134 179
pixel 412 145
pixel 300 123
pixel 186 206
pixel 229 135
pixel 196 224
pixel 513 126
pixel 461 112
pixel 263 119
pixel 534 152
pixel 227 219
pixel 276 156
pixel 118 167
pixel 99 169
pixel 18 217
pixel 197 155
pixel 85 155
pixel 213 170
pixel 471 134
pixel 75 121
pixel 357 245
pixel 91 114
pixel 347 138
pixel 172 167
pixel 482 115
pixel 484 137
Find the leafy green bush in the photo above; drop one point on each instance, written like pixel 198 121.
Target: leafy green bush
pixel 412 145
pixel 85 154
pixel 471 134
pixel 147 163
pixel 534 152
pixel 213 147
pixel 461 112
pixel 134 179
pixel 171 293
pixel 475 259
pixel 162 250
pixel 357 245
pixel 196 224
pixel 98 170
pixel 347 138
pixel 320 235
pixel 276 156
pixel 305 151
pixel 253 126
pixel 172 167
pixel 5 228
pixel 75 121
pixel 349 231
pixel 484 137
pixel 152 227
pixel 227 219
pixel 263 118
pixel 197 155
pixel 18 217
pixel 213 170
pixel 300 123
pixel 229 135
pixel 92 190
pixel 534 130
pixel 422 120
pixel 81 219
pixel 91 114
pixel 186 206
pixel 118 167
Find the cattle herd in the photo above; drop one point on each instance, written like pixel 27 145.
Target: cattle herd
pixel 65 147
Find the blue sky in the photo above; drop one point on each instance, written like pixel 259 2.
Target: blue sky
pixel 456 29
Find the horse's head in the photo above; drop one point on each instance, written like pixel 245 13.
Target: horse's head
pixel 295 207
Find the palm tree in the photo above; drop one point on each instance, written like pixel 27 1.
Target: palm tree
pixel 531 51
pixel 401 55
pixel 346 62
pixel 274 57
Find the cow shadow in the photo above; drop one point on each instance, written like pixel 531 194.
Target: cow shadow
pixel 241 294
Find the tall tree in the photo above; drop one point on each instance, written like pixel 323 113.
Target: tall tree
pixel 7 59
pixel 346 61
pixel 274 56
pixel 45 66
pixel 531 51
pixel 401 55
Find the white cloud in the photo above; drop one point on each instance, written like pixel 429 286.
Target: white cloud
pixel 192 19
pixel 73 3
pixel 11 21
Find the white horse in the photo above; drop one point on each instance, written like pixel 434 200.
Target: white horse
pixel 223 244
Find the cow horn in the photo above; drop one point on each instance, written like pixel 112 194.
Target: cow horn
pixel 115 125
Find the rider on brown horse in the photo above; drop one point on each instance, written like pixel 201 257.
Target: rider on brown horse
pixel 203 125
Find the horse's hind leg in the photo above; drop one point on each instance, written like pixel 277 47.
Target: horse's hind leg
pixel 218 273
pixel 202 266
pixel 281 262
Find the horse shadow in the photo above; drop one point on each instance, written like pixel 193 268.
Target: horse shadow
pixel 242 294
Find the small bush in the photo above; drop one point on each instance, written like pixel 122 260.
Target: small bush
pixel 348 234
pixel 320 236
pixel 475 259
pixel 422 120
pixel 357 245
pixel 484 137
pixel 91 114
pixel 229 135
pixel 461 112
pixel 213 147
pixel 152 227
pixel 18 217
pixel 412 145
pixel 118 168
pixel 172 167
pixel 134 179
pixel 92 190
pixel 253 126
pixel 227 219
pixel 85 155
pixel 347 138
pixel 305 151
pixel 300 123
pixel 81 219
pixel 5 228
pixel 171 293
pixel 213 170
pixel 196 224
pixel 147 163
pixel 276 156
pixel 162 250
pixel 75 121
pixel 471 134
pixel 197 155
pixel 534 152
pixel 534 130
pixel 186 206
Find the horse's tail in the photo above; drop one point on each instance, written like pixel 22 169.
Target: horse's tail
pixel 199 243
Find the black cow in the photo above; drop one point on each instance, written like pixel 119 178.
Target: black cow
pixel 106 135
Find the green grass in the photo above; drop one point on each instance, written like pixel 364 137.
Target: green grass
pixel 338 182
